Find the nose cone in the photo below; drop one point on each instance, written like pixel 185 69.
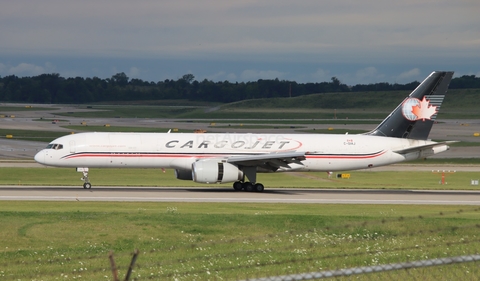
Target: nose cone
pixel 40 157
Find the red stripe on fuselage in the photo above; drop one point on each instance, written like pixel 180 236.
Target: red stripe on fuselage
pixel 132 155
pixel 345 156
pixel 161 155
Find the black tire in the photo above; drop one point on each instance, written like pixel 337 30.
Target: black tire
pixel 237 186
pixel 248 186
pixel 259 187
pixel 87 185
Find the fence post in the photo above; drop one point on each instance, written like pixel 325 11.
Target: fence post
pixel 113 266
pixel 132 263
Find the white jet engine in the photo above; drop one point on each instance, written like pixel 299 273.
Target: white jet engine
pixel 215 171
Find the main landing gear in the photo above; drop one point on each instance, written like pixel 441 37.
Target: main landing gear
pixel 252 185
pixel 86 181
pixel 248 186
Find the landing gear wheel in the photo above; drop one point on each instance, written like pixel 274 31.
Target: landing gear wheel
pixel 248 186
pixel 259 187
pixel 237 186
pixel 86 181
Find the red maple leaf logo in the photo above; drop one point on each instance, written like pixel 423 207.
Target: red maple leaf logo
pixel 424 110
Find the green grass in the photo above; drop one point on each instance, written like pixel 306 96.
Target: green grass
pixel 334 131
pixel 24 108
pixel 48 136
pixel 447 161
pixel 44 136
pixel 255 113
pixel 457 105
pixel 155 177
pixel 288 121
pixel 252 126
pixel 176 102
pixel 297 113
pixel 361 105
pixel 116 129
pixel 464 144
pixel 225 241
pixel 133 111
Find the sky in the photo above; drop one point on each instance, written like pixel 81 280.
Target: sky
pixel 359 42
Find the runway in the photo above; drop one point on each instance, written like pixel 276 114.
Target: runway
pixel 176 194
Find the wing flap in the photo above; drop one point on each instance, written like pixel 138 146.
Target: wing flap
pixel 269 161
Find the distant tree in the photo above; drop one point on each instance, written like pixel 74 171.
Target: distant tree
pixel 466 81
pixel 188 78
pixel 52 88
pixel 120 79
pixel 336 83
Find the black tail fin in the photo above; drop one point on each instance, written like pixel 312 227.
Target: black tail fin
pixel 414 117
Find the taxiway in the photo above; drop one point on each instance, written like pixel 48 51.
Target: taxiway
pixel 170 194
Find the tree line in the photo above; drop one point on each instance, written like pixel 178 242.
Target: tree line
pixel 52 88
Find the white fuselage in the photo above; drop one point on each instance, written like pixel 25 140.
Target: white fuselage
pixel 180 151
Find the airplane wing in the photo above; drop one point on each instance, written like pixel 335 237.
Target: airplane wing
pixel 269 161
pixel 424 148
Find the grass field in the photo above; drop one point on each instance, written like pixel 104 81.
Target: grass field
pixel 48 136
pixel 253 126
pixel 329 121
pixel 224 241
pixel 364 105
pixel 135 111
pixel 44 136
pixel 24 108
pixel 116 129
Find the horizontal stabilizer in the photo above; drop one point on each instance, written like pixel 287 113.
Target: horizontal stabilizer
pixel 424 147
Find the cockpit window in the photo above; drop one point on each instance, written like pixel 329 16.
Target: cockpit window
pixel 55 146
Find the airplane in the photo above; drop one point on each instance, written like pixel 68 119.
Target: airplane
pixel 233 157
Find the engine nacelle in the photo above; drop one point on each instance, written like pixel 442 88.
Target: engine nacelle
pixel 183 174
pixel 211 171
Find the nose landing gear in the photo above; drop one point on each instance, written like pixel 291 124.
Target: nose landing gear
pixel 86 181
